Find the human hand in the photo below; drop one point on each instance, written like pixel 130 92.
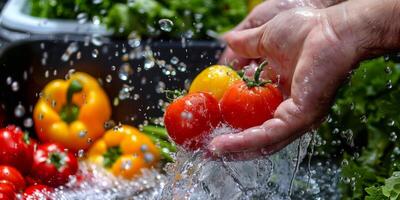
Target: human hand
pixel 312 52
pixel 262 14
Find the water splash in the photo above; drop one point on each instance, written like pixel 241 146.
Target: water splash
pixel 193 176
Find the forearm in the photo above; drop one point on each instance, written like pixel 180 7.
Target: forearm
pixel 373 26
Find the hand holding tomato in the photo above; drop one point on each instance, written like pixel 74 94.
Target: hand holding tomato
pixel 53 164
pixel 311 52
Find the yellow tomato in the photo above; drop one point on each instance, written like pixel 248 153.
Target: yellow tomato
pixel 214 80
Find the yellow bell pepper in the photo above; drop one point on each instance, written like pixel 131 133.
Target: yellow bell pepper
pixel 124 150
pixel 214 80
pixel 72 112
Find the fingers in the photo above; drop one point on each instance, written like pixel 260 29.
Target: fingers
pixel 258 16
pixel 231 58
pixel 288 123
pixel 247 43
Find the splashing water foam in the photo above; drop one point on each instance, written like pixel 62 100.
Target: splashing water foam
pixel 194 177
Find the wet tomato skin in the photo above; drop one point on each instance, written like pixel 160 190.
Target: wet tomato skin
pixel 7 190
pixel 37 192
pixel 16 149
pixel 243 107
pixel 13 176
pixel 191 118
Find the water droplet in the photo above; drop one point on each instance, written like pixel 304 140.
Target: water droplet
pixel 391 123
pixel 81 153
pixel 96 20
pixel 9 80
pixel 393 136
pixel 95 53
pixel 344 162
pixel 174 60
pixel 124 93
pixel 144 148
pixel 186 115
pixel 19 111
pixel 388 70
pixel 182 67
pixel 148 157
pixel 113 68
pixel 126 164
pixel 41 116
pixel 82 133
pixel 108 78
pixel 53 103
pixel 363 119
pixel 28 122
pixel 148 64
pixel 389 84
pixel 125 71
pixel 134 40
pixel 97 40
pixel 116 101
pixel 166 25
pixel 82 18
pixel 97 1
pixel 136 97
pixel 14 86
pixel 109 124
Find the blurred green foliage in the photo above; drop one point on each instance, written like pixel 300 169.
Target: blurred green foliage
pixel 191 18
pixel 362 129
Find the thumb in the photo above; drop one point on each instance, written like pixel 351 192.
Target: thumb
pixel 247 43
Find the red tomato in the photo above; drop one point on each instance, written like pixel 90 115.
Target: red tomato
pixel 7 191
pixel 37 192
pixel 16 149
pixel 244 107
pixel 13 176
pixel 191 118
pixel 52 164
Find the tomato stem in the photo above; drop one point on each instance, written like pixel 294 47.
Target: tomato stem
pixel 256 82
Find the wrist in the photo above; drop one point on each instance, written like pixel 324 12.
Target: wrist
pixel 371 26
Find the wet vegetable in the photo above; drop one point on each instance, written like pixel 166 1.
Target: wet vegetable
pixel 190 18
pixel 16 148
pixel 53 164
pixel 124 150
pixel 37 192
pixel 190 119
pixel 12 175
pixel 215 80
pixel 250 103
pixel 7 191
pixel 159 135
pixel 72 112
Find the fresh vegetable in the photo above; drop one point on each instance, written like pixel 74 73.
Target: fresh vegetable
pixel 190 119
pixel 250 103
pixel 53 164
pixel 72 112
pixel 159 135
pixel 124 151
pixel 190 18
pixel 12 175
pixel 214 80
pixel 16 148
pixel 37 192
pixel 7 191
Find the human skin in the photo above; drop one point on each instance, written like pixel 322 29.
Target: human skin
pixel 312 51
pixel 262 14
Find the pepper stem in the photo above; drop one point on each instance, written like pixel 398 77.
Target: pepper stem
pixel 56 159
pixel 70 111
